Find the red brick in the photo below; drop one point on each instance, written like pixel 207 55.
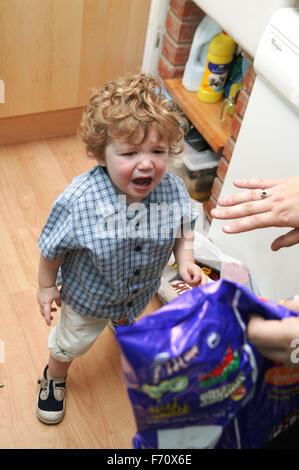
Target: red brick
pixel 222 168
pixel 229 148
pixel 216 188
pixel 242 102
pixel 236 126
pixel 167 70
pixel 208 215
pixel 180 31
pixel 249 78
pixel 247 57
pixel 176 53
pixel 186 9
pixel 212 203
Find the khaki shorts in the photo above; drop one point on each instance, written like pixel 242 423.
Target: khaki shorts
pixel 74 334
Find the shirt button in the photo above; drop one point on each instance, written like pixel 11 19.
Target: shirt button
pixel 129 304
pixel 138 248
pixel 136 272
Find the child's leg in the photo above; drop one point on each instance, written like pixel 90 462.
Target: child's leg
pixel 73 335
pixel 57 369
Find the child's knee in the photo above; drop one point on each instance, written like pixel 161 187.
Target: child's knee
pixel 73 335
pixel 66 348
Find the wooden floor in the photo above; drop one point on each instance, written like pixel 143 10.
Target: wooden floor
pixel 99 414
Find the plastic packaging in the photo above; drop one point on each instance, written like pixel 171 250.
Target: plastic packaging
pixel 201 168
pixel 213 262
pixel 197 169
pixel 195 381
pixel 219 58
pixel 197 161
pixel 195 65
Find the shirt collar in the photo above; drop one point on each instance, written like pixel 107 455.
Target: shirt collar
pixel 112 202
pixel 108 194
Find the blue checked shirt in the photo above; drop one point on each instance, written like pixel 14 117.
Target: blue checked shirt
pixel 114 253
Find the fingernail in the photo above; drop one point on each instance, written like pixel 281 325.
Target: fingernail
pixel 227 228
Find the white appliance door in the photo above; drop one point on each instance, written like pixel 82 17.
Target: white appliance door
pixel 245 21
pixel 267 147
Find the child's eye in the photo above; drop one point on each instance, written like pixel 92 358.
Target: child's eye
pixel 158 151
pixel 129 154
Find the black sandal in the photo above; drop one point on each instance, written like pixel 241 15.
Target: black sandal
pixel 50 404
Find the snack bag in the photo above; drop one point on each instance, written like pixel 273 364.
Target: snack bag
pixel 193 379
pixel 213 262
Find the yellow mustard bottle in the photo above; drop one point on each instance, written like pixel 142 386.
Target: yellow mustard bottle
pixel 219 58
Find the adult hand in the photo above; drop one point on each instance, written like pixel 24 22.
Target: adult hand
pixel 278 208
pixel 277 340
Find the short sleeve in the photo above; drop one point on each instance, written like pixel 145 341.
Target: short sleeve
pixel 57 235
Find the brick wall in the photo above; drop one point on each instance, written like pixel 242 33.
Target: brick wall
pixel 182 20
pixel 240 110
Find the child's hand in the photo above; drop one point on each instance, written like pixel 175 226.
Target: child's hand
pixel 192 274
pixel 45 298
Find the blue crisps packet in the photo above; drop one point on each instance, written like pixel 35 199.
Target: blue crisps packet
pixel 194 380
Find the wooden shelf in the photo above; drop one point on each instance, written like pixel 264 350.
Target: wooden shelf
pixel 204 116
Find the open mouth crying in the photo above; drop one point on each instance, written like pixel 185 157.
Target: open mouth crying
pixel 142 181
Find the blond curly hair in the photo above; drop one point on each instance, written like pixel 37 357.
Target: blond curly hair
pixel 125 109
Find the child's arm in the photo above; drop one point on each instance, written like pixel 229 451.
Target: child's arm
pixel 47 291
pixel 184 254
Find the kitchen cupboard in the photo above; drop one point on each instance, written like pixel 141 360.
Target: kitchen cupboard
pixel 54 52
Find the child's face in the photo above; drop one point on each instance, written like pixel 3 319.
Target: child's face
pixel 136 169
